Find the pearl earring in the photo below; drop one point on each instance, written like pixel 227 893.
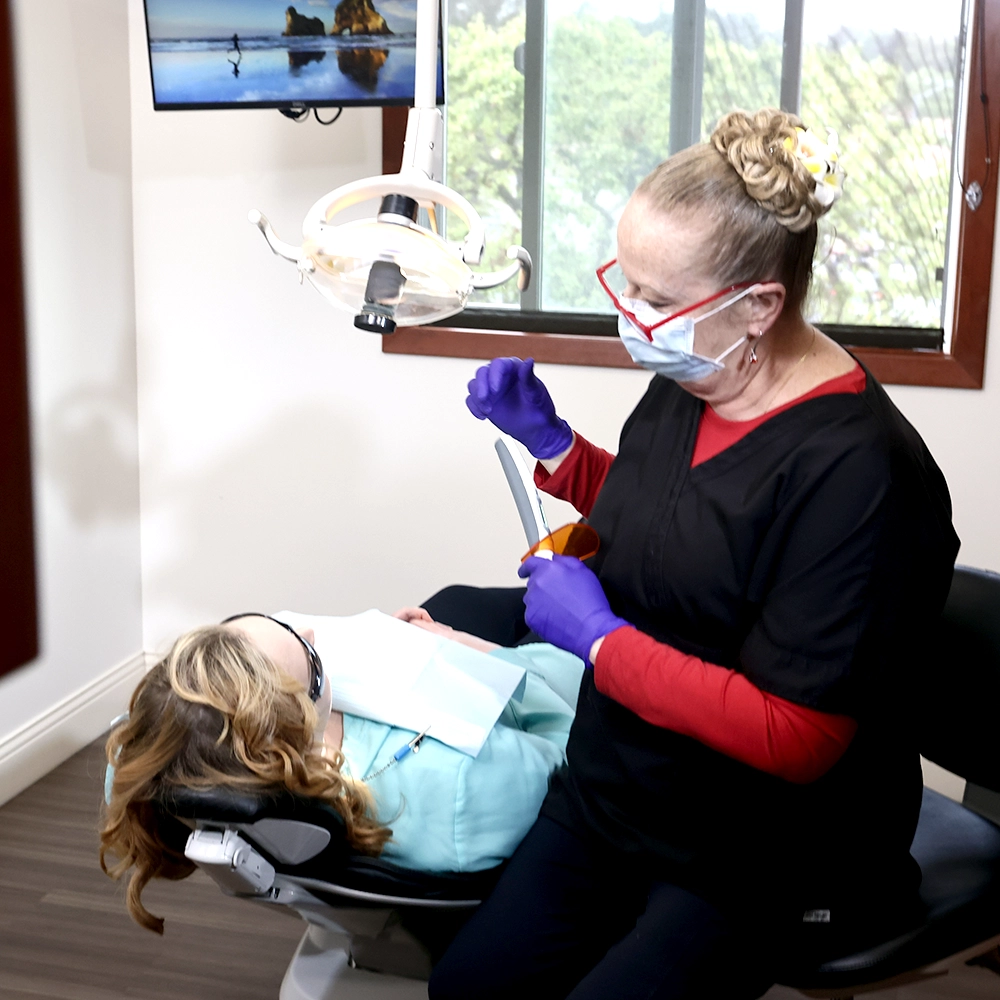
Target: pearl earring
pixel 753 348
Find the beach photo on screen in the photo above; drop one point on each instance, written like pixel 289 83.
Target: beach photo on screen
pixel 267 53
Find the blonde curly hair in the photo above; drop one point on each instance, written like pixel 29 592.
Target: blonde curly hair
pixel 756 193
pixel 761 149
pixel 214 712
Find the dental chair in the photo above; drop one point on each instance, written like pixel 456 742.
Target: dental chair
pixel 957 846
pixel 372 929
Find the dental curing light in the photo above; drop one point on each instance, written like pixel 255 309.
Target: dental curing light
pixel 390 270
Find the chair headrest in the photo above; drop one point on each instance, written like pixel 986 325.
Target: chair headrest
pixel 225 804
pixel 290 829
pixel 336 863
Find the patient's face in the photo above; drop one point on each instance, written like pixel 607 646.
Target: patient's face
pixel 287 653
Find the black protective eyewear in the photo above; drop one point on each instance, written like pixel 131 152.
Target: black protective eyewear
pixel 315 663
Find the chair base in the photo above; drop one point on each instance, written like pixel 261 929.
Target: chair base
pixel 933 971
pixel 322 969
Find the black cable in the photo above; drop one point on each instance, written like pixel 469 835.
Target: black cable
pixel 340 111
pixel 296 114
pixel 983 98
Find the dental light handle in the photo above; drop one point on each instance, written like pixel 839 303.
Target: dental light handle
pixel 278 247
pixel 521 267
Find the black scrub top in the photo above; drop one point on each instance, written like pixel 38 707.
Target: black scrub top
pixel 809 556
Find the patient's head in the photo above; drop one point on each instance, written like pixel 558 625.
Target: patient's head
pixel 284 647
pixel 218 710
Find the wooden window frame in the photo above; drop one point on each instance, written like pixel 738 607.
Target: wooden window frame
pixel 18 599
pixel 961 367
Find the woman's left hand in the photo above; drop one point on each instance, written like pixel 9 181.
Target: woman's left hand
pixel 565 604
pixel 412 615
pixel 420 618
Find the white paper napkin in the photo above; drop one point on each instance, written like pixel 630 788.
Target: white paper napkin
pixel 390 671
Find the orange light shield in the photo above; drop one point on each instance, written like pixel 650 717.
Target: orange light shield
pixel 574 539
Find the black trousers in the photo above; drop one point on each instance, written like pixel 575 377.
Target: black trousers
pixel 493 613
pixel 565 922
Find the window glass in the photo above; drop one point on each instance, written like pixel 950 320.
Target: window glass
pixel 883 74
pixel 607 124
pixel 743 45
pixel 485 125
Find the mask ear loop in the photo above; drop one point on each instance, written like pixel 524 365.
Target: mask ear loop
pixel 725 305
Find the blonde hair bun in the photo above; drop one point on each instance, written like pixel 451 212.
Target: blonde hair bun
pixel 761 149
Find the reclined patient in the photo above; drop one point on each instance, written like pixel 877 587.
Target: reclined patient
pixel 245 705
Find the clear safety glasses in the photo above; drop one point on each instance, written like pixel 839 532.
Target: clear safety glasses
pixel 614 282
pixel 312 657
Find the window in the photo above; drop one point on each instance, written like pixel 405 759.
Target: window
pixel 558 108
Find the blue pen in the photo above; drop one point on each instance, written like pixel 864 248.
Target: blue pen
pixel 413 746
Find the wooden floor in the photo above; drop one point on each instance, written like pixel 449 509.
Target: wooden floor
pixel 64 932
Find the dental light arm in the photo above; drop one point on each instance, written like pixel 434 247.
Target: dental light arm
pixel 390 269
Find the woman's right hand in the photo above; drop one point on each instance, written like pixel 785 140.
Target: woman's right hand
pixel 509 394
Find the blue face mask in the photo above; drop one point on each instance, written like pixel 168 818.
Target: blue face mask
pixel 671 351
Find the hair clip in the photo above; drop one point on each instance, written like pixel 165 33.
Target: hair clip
pixel 822 160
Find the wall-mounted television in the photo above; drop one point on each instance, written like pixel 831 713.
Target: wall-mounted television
pixel 270 54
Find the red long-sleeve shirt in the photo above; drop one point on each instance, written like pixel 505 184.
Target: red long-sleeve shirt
pixel 713 704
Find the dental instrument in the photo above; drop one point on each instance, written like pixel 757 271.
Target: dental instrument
pixel 575 539
pixel 522 487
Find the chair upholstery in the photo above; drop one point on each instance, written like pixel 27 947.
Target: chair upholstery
pixel 959 684
pixel 959 856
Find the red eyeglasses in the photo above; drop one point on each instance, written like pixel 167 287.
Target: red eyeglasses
pixel 648 328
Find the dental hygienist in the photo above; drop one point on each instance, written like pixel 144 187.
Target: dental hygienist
pixel 741 790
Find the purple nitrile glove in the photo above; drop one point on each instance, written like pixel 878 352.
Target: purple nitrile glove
pixel 565 604
pixel 509 393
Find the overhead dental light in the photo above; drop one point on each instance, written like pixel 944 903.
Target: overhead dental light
pixel 390 270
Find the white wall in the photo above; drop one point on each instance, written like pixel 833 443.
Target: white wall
pixel 74 136
pixel 962 430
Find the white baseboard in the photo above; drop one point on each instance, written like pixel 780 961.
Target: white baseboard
pixel 68 726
